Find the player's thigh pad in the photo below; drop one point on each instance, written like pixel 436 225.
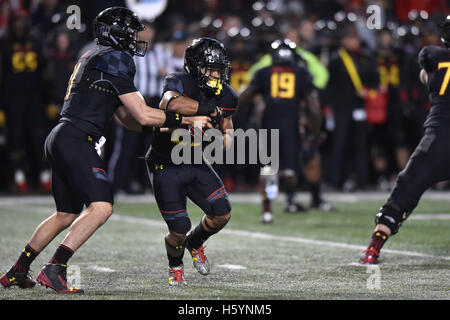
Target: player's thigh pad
pixel 208 192
pixel 73 154
pixel 171 199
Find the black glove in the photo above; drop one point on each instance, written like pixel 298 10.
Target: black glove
pixel 217 119
pixel 205 107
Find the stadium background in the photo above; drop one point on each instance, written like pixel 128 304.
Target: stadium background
pixel 38 53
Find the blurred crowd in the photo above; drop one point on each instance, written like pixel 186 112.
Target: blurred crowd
pixel 367 133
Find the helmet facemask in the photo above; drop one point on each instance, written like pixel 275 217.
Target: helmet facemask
pixel 213 77
pixel 207 62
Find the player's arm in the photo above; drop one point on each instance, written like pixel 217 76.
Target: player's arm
pixel 423 76
pixel 226 126
pixel 125 119
pixel 147 116
pixel 173 101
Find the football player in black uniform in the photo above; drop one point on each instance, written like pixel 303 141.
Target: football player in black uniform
pixel 284 85
pixel 430 161
pixel 101 81
pixel 201 89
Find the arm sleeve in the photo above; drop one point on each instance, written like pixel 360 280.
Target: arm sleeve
pixel 424 58
pixel 229 103
pixel 173 83
pixel 118 69
pixel 121 85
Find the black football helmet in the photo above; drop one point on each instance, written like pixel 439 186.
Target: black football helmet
pixel 283 52
pixel 445 32
pixel 118 27
pixel 203 57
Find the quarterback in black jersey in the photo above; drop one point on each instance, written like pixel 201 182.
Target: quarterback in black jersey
pixel 430 161
pixel 202 89
pixel 102 80
pixel 283 85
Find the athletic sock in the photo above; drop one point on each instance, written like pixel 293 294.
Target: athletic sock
pixel 377 241
pixel 25 259
pixel 198 236
pixel 174 254
pixel 62 255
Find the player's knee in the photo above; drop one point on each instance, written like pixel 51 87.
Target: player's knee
pixel 179 225
pixel 65 219
pixel 219 222
pixel 175 238
pixel 220 207
pixel 102 209
pixel 392 216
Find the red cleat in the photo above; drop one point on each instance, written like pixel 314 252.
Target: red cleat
pixel 54 276
pixel 20 279
pixel 370 256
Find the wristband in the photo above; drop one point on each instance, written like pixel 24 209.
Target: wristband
pixel 205 108
pixel 172 119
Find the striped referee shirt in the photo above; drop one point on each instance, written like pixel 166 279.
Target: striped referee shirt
pixel 148 79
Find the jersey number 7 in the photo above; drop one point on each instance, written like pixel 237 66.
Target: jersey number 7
pixel 446 77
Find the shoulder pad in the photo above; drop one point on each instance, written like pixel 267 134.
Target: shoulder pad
pixel 174 82
pixel 117 63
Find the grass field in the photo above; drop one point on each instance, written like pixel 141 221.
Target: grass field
pixel 299 256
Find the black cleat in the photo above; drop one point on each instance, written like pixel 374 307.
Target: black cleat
pixel 20 279
pixel 54 276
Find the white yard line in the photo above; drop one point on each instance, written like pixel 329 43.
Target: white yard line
pixel 260 235
pixel 266 236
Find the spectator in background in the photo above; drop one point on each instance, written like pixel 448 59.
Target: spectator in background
pixel 388 149
pixel 45 17
pixel 351 71
pixel 62 59
pixel 5 13
pixel 21 77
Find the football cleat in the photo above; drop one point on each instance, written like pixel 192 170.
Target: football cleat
pixel 294 208
pixel 267 217
pixel 176 276
pixel 199 259
pixel 370 256
pixel 54 276
pixel 20 279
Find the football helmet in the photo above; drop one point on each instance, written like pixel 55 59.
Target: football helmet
pixel 202 58
pixel 445 32
pixel 118 27
pixel 283 52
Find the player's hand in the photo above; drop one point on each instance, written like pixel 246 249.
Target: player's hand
pixel 216 117
pixel 199 122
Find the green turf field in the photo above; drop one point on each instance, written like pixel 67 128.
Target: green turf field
pixel 299 256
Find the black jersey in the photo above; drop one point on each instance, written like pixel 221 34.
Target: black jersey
pixel 184 84
pixel 436 62
pixel 282 87
pixel 99 77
